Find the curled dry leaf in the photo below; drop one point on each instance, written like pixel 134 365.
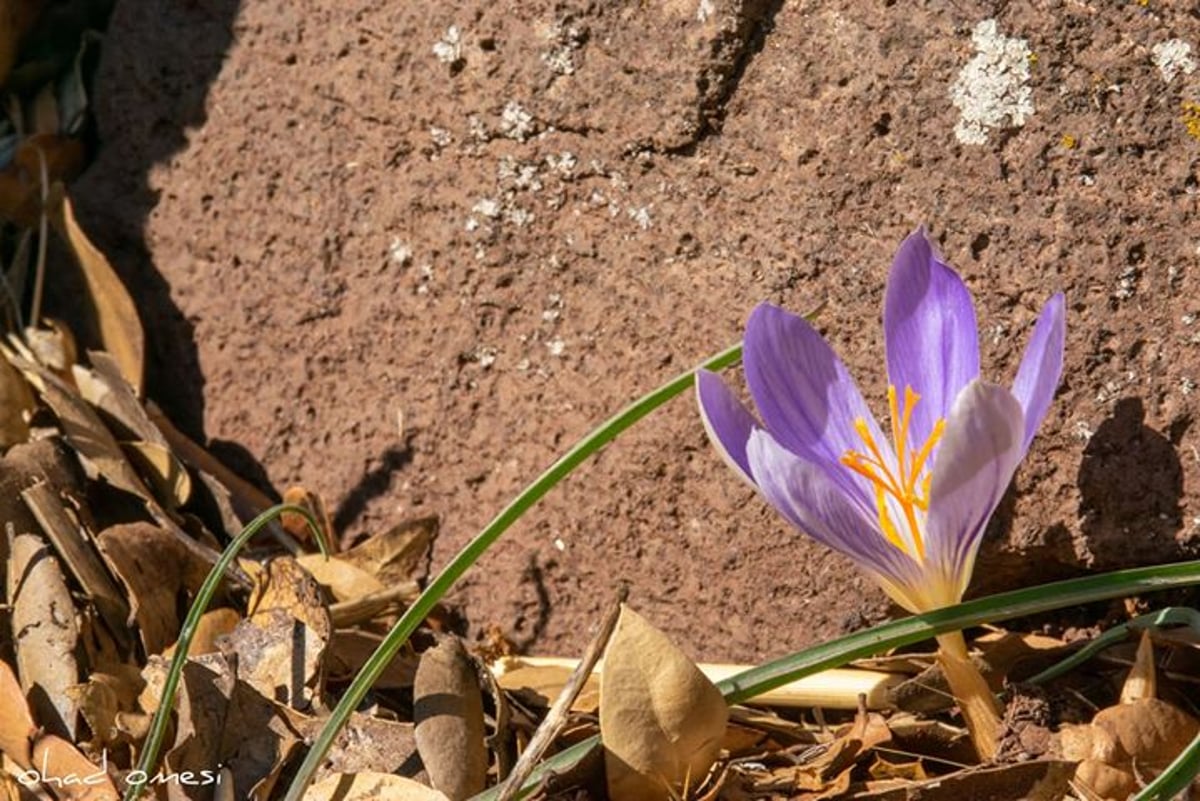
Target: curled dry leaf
pixel 16 401
pixel 157 571
pixel 116 316
pixel 53 346
pixel 368 743
pixel 16 724
pixel 101 699
pixel 370 787
pixel 214 624
pixel 297 526
pixel 1039 780
pixel 73 775
pixel 46 633
pixel 351 648
pixel 661 720
pixel 345 580
pixel 163 471
pixel 281 647
pixel 1126 741
pixel 76 550
pixel 202 709
pixel 46 461
pixel 397 555
pixel 105 387
pixel 448 712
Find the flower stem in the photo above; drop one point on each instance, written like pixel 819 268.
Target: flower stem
pixel 976 700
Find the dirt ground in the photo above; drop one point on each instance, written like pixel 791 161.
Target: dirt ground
pixel 405 254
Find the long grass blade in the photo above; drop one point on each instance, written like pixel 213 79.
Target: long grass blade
pixel 470 554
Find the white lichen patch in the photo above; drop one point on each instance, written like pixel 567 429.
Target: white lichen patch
pixel 641 216
pixel 1173 57
pixel 515 122
pixel 518 175
pixel 992 90
pixel 705 10
pixel 440 137
pixel 400 252
pixel 448 49
pixel 564 163
pixel 565 42
pixel 487 207
pixel 556 346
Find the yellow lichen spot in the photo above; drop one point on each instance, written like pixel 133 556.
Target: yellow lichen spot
pixel 1191 118
pixel 1069 142
pixel 1032 58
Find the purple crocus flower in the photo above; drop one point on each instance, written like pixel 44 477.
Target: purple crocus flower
pixel 909 506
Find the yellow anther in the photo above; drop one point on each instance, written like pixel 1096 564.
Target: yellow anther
pixel 907 483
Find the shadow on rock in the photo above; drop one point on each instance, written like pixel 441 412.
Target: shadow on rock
pixel 1130 484
pixel 375 483
pixel 158 60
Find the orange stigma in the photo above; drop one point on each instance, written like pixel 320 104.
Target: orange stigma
pixel 908 483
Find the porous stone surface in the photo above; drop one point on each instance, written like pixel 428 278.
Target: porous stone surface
pixel 407 267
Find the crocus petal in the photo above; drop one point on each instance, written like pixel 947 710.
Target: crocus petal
pixel 929 330
pixel 806 495
pixel 980 450
pixel 1041 366
pixel 726 420
pixel 805 395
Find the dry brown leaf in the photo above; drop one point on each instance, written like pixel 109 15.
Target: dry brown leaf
pixel 368 743
pixel 1125 742
pixel 16 401
pixel 913 771
pixel 71 775
pixel 105 387
pixel 1149 731
pixel 53 346
pixel 163 471
pixel 79 555
pixel 350 649
pixel 94 444
pixel 16 724
pixel 46 633
pixel 345 580
pixel 257 742
pixel 297 526
pixel 281 646
pixel 661 720
pixel 247 500
pixel 46 461
pixel 1039 780
pixel 100 453
pixel 116 316
pixel 157 571
pixel 541 684
pixel 213 624
pixel 370 787
pixel 101 698
pixel 397 555
pixel 448 712
pixel 202 708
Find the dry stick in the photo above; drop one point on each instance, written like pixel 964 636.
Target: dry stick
pixel 556 718
pixel 366 607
